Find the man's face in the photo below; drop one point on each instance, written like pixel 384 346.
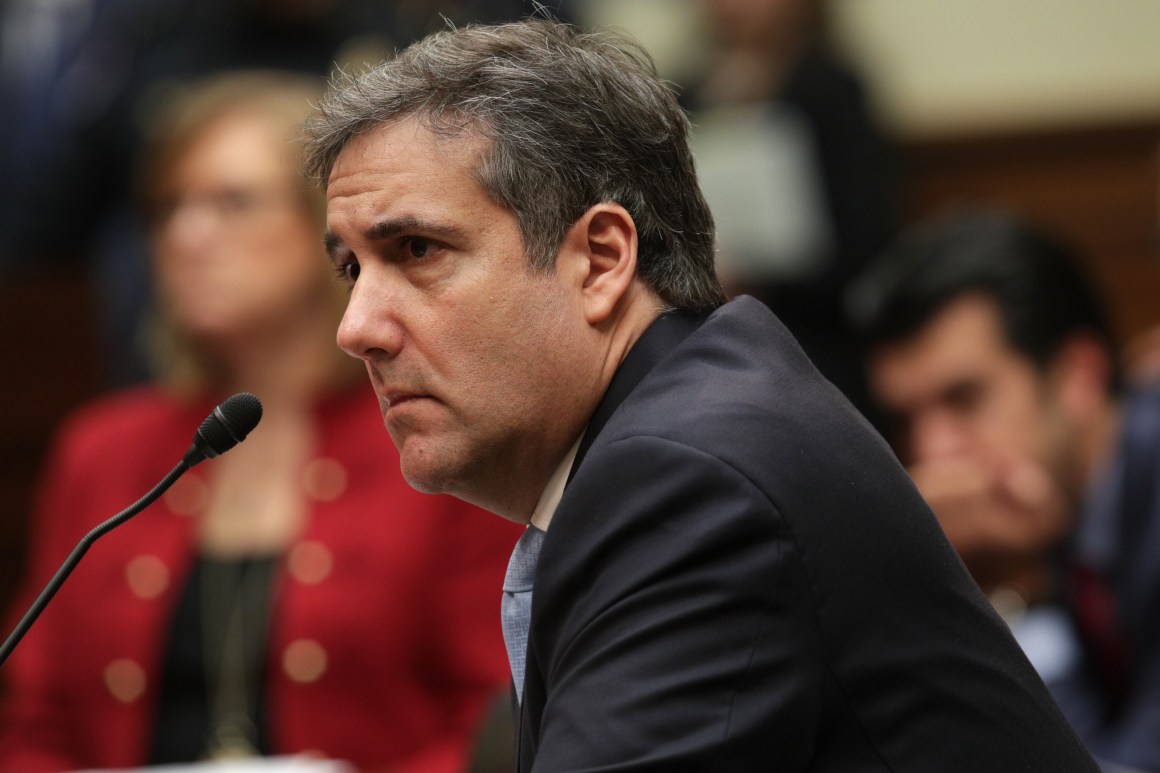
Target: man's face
pixel 479 362
pixel 957 388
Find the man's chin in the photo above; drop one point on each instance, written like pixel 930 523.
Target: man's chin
pixel 447 479
pixel 425 474
pixel 422 484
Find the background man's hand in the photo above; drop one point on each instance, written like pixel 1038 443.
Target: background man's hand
pixel 1003 517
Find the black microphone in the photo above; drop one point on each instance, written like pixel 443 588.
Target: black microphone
pixel 223 429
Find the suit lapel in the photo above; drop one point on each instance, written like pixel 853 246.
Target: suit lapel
pixel 661 338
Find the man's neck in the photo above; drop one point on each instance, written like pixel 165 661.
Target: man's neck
pixel 599 355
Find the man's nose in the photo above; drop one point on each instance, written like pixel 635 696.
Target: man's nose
pixel 369 329
pixel 937 435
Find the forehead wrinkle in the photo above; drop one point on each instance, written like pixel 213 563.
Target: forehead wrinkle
pixel 368 169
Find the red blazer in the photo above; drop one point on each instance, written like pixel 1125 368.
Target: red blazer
pixel 386 641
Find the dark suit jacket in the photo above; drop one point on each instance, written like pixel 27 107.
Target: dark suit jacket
pixel 740 577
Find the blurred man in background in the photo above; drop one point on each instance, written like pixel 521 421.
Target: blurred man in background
pixel 994 362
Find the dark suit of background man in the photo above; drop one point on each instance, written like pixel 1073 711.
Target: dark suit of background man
pixel 737 575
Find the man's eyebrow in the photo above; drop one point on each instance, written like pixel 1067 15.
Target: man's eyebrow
pixel 332 244
pixel 385 229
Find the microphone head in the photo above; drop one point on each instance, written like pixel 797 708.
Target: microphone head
pixel 223 429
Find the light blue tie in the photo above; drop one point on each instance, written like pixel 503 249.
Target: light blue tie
pixel 517 602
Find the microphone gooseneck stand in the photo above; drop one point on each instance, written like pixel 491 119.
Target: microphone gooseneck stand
pixel 224 428
pixel 78 552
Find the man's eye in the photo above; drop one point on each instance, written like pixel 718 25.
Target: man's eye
pixel 348 270
pixel 417 248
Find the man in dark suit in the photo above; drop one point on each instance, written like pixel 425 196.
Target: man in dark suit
pixel 993 359
pixel 730 570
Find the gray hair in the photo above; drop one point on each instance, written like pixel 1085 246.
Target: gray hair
pixel 574 119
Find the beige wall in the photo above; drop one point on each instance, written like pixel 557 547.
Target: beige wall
pixel 965 65
pixel 961 66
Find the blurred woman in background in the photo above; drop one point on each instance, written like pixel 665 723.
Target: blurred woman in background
pixel 294 595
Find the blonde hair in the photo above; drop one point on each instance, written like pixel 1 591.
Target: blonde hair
pixel 184 114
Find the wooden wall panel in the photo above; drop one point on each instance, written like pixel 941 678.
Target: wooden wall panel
pixel 1096 187
pixel 51 364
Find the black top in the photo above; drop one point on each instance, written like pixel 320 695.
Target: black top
pixel 196 664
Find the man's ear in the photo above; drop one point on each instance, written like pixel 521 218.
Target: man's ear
pixel 599 254
pixel 1082 369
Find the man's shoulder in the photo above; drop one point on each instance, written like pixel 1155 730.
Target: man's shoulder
pixel 737 409
pixel 740 388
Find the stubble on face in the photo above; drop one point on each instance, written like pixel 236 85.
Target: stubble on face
pixel 478 359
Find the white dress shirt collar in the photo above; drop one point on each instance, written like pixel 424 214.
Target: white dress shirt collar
pixel 554 491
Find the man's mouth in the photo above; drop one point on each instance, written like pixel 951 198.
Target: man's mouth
pixel 395 399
